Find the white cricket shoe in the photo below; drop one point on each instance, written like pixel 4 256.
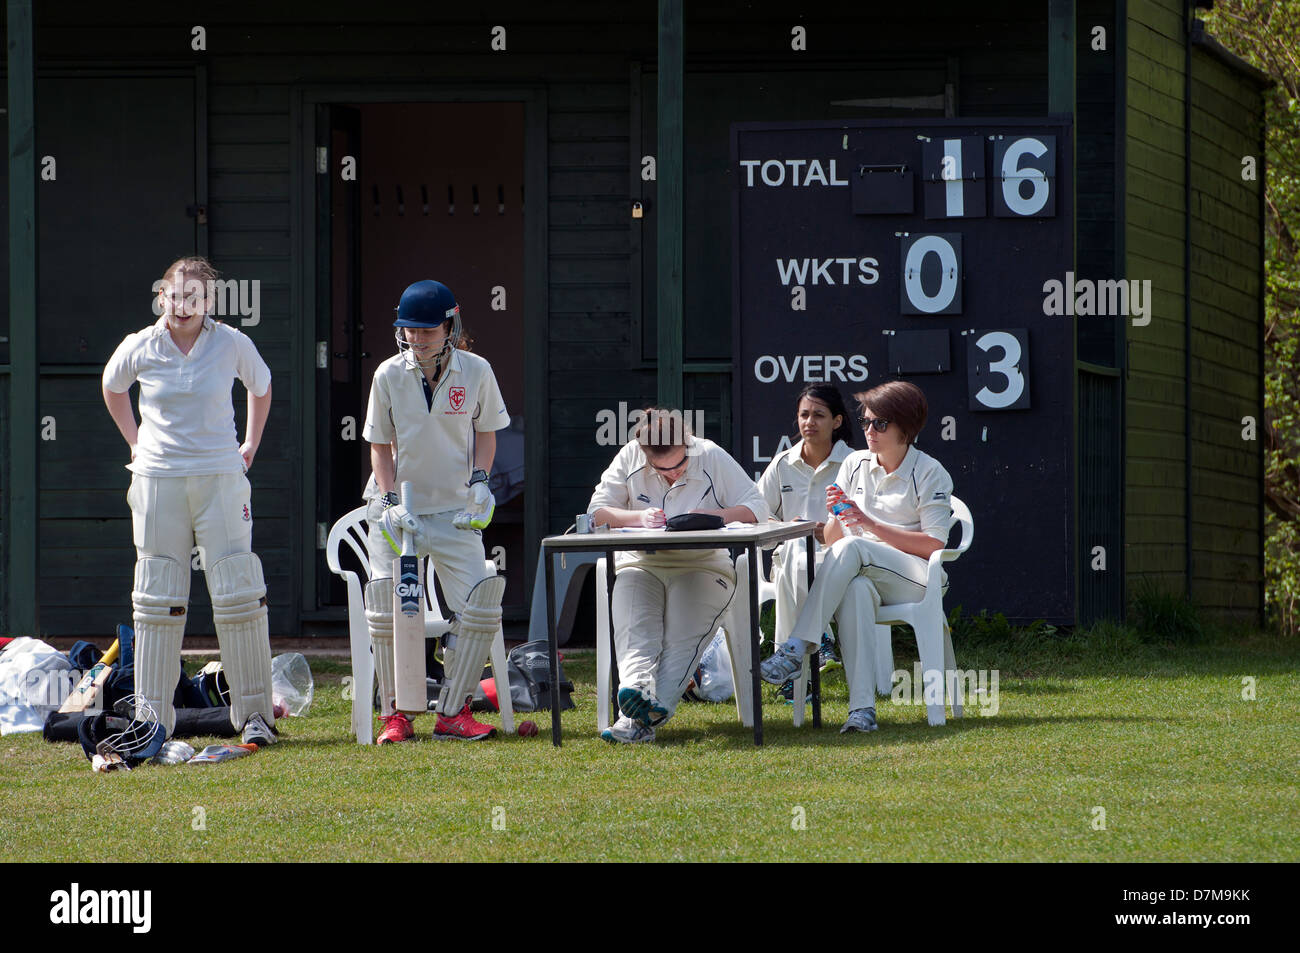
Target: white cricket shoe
pixel 625 731
pixel 258 732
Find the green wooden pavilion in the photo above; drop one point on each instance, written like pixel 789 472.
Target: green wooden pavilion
pixel 325 154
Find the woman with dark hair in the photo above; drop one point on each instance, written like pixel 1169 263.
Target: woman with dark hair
pixel 794 487
pixel 898 499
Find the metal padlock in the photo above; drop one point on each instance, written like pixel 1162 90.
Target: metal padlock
pixel 637 211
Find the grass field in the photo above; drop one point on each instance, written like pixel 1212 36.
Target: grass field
pixel 1159 737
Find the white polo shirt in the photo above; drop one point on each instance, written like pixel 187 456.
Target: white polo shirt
pixel 914 497
pixel 794 490
pixel 187 417
pixel 435 444
pixel 712 481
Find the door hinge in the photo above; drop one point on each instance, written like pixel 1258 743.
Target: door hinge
pixel 322 160
pixel 322 355
pixel 322 535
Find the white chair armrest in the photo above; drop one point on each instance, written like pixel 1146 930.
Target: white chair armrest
pixel 934 570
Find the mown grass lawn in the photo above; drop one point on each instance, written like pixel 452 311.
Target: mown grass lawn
pixel 1160 738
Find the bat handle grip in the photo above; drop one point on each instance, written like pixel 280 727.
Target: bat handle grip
pixel 406 494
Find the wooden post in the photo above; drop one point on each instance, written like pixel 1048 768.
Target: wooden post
pixel 24 378
pixel 668 295
pixel 1060 57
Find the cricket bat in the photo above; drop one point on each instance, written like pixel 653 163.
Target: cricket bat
pixel 408 622
pixel 92 683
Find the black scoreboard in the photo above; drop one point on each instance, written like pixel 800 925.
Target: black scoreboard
pixel 883 250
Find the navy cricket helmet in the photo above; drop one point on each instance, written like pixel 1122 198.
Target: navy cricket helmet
pixel 426 304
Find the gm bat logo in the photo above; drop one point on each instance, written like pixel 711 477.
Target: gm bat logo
pixel 408 588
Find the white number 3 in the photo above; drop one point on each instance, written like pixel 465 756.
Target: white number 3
pixel 1007 366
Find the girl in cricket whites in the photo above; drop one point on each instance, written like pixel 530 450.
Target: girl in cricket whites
pixel 794 488
pixel 899 498
pixel 188 487
pixel 432 419
pixel 667 605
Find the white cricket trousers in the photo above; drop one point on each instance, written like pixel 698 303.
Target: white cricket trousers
pixel 790 576
pixel 171 515
pixel 457 554
pixel 663 621
pixel 854 579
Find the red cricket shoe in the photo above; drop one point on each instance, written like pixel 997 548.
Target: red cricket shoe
pixel 397 727
pixel 462 727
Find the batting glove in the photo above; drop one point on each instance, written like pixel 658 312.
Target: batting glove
pixel 394 519
pixel 479 507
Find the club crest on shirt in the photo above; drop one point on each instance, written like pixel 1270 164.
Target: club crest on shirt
pixel 456 396
pixel 247 515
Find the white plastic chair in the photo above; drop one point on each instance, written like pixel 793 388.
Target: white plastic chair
pixel 735 627
pixel 351 529
pixel 928 621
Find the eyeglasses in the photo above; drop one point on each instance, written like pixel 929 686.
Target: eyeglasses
pixel 676 466
pixel 880 424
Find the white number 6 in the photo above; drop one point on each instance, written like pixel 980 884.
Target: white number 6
pixel 1013 175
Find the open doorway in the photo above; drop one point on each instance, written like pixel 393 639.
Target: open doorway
pixel 436 192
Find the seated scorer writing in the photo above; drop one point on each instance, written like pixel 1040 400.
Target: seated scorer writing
pixel 667 604
pixel 898 498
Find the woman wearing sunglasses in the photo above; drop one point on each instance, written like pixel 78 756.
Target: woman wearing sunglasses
pixel 667 604
pixel 897 499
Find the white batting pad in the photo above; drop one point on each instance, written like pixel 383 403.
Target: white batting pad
pixel 379 619
pixel 240 613
pixel 160 597
pixel 475 628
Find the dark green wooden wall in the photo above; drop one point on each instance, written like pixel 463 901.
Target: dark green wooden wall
pixel 1154 528
pixel 1226 475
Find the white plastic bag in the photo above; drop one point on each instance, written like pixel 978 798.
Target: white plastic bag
pixel 715 682
pixel 291 683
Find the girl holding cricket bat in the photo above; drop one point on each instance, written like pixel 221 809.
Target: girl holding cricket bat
pixel 432 419
pixel 188 487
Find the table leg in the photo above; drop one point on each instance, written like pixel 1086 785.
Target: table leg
pixel 754 661
pixel 613 650
pixel 816 682
pixel 554 647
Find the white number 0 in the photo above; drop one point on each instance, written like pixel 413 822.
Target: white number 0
pixel 1006 367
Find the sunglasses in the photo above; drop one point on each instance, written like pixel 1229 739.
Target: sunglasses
pixel 880 424
pixel 676 466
